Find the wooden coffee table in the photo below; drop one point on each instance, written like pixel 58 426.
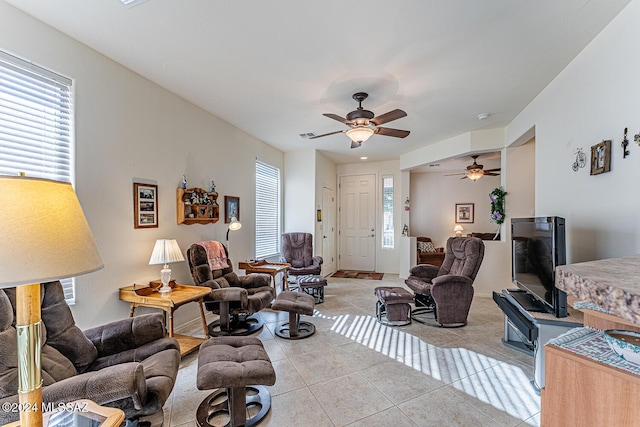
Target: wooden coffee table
pixel 142 296
pixel 272 268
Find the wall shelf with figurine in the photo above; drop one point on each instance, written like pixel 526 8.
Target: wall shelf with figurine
pixel 197 206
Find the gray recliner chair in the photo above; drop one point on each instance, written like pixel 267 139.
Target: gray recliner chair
pixel 297 250
pixel 447 290
pixel 234 298
pixel 127 364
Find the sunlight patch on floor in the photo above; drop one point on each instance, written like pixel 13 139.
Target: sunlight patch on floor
pixel 499 384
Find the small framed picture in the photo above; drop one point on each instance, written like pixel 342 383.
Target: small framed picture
pixel 601 158
pixel 145 205
pixel 464 213
pixel 231 208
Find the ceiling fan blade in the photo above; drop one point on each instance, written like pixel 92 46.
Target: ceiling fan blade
pixel 492 170
pixel 391 132
pixel 388 117
pixel 338 118
pixel 327 134
pixel 355 144
pixel 491 174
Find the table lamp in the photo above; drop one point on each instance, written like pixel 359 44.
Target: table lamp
pixel 458 229
pixel 45 237
pixel 165 252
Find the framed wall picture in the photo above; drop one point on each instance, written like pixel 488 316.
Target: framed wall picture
pixel 601 158
pixel 464 213
pixel 231 208
pixel 145 205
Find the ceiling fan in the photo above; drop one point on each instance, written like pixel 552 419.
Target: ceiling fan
pixel 476 171
pixel 363 123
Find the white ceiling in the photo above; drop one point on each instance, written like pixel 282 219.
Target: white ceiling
pixel 271 68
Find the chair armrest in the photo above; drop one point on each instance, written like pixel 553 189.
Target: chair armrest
pixel 122 381
pixel 449 279
pixel 126 334
pixel 255 280
pixel 317 260
pixel 424 271
pixel 230 294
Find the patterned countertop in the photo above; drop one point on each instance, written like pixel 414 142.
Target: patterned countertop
pixel 611 284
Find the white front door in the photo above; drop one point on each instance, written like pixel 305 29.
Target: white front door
pixel 357 222
pixel 328 231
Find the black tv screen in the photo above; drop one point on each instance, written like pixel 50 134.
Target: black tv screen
pixel 538 247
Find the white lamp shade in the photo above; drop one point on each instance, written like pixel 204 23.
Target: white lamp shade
pixel 359 133
pixel 166 251
pixel 44 235
pixel 458 228
pixel 475 174
pixel 234 225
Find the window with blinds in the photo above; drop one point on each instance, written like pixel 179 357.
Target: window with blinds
pixel 387 212
pixel 267 210
pixel 35 126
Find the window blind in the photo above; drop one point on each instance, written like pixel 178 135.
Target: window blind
pixel 387 212
pixel 35 126
pixel 267 210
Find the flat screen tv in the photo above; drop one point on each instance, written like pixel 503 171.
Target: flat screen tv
pixel 538 247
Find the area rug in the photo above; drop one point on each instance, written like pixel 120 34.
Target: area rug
pixel 354 274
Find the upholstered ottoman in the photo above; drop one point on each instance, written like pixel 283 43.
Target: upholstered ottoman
pixel 296 303
pixel 313 285
pixel 393 307
pixel 234 364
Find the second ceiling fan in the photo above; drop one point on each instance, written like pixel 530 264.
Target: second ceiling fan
pixel 363 123
pixel 476 171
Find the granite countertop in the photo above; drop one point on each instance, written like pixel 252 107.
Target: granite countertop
pixel 611 284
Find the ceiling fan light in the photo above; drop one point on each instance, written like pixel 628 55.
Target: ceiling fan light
pixel 359 133
pixel 475 174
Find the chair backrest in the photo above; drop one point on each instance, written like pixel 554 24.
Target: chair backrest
pixel 199 265
pixel 463 257
pixel 297 249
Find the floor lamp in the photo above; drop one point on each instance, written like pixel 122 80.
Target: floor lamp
pixel 234 225
pixel 44 237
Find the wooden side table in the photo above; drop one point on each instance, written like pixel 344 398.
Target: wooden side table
pixel 272 268
pixel 140 296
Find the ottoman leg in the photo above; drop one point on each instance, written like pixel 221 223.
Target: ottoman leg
pixel 294 319
pixel 237 405
pixel 234 403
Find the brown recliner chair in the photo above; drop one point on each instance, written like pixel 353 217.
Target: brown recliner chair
pixel 427 253
pixel 297 250
pixel 448 290
pixel 127 364
pixel 234 298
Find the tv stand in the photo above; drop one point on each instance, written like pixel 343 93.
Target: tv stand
pixel 527 301
pixel 528 331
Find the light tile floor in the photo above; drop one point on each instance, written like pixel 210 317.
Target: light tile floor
pixel 355 372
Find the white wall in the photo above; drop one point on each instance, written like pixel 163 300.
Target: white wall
pixel 594 98
pixel 386 259
pixel 299 191
pixel 520 169
pixel 326 177
pixel 307 172
pixel 128 128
